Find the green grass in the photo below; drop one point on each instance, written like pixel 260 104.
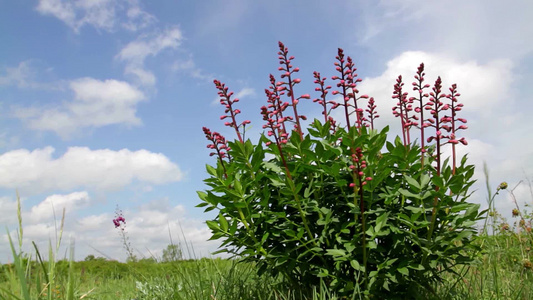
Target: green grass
pixel 503 271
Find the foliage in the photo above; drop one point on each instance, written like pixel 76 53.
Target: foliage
pixel 33 277
pixel 342 205
pixel 172 253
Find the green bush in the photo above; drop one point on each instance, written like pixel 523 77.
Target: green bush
pixel 342 206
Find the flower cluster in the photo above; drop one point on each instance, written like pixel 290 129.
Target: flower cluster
pixel 371 110
pixel 218 143
pixel 287 86
pixel 402 109
pixel 323 89
pixel 225 99
pixel 419 121
pixel 118 220
pixel 357 166
pixel 347 82
pixel 276 107
pixel 446 126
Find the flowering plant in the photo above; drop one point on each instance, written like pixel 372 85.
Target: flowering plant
pixel 342 205
pixel 120 222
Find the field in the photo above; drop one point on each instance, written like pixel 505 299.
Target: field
pixel 503 271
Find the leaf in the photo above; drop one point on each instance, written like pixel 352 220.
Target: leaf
pixel 272 166
pixel 404 271
pixel 202 195
pixel 412 182
pixel 335 252
pixel 213 225
pixel 424 180
pixel 438 181
pixel 381 221
pixel 223 222
pixel 408 194
pixel 210 170
pixel 355 264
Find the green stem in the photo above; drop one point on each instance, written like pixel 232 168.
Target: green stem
pixel 299 206
pixel 246 225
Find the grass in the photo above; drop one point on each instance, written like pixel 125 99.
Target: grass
pixel 504 271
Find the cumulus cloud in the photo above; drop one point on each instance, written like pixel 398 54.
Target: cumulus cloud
pixel 8 207
pixel 96 103
pixel 101 14
pixel 482 86
pixel 478 28
pixel 135 53
pixel 101 170
pixel 150 228
pixel 56 203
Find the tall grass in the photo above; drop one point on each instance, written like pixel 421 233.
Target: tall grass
pixel 30 276
pixel 503 271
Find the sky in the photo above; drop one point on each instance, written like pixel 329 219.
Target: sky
pixel 102 102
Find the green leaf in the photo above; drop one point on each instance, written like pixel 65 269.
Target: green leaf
pixel 210 170
pixel 408 194
pixel 355 264
pixel 381 221
pixel 202 195
pixel 404 271
pixel 335 252
pixel 213 225
pixel 223 222
pixel 438 181
pixel 412 182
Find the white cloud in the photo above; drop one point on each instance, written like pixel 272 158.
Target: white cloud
pixel 27 75
pixel 477 28
pixel 8 208
pixel 189 67
pixel 482 86
pixel 54 204
pixel 137 18
pixel 101 14
pixel 102 170
pixel 245 92
pixel 147 228
pixel 96 103
pixel 135 53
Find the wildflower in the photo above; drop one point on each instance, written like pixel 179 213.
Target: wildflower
pixel 118 220
pixel 505 227
pixel 503 186
pixel 515 212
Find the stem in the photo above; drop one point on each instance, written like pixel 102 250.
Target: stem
pixel 243 219
pixel 363 224
pixel 436 200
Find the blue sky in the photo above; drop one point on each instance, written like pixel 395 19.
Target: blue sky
pixel 103 101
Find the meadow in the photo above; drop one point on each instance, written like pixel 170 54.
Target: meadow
pixel 502 270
